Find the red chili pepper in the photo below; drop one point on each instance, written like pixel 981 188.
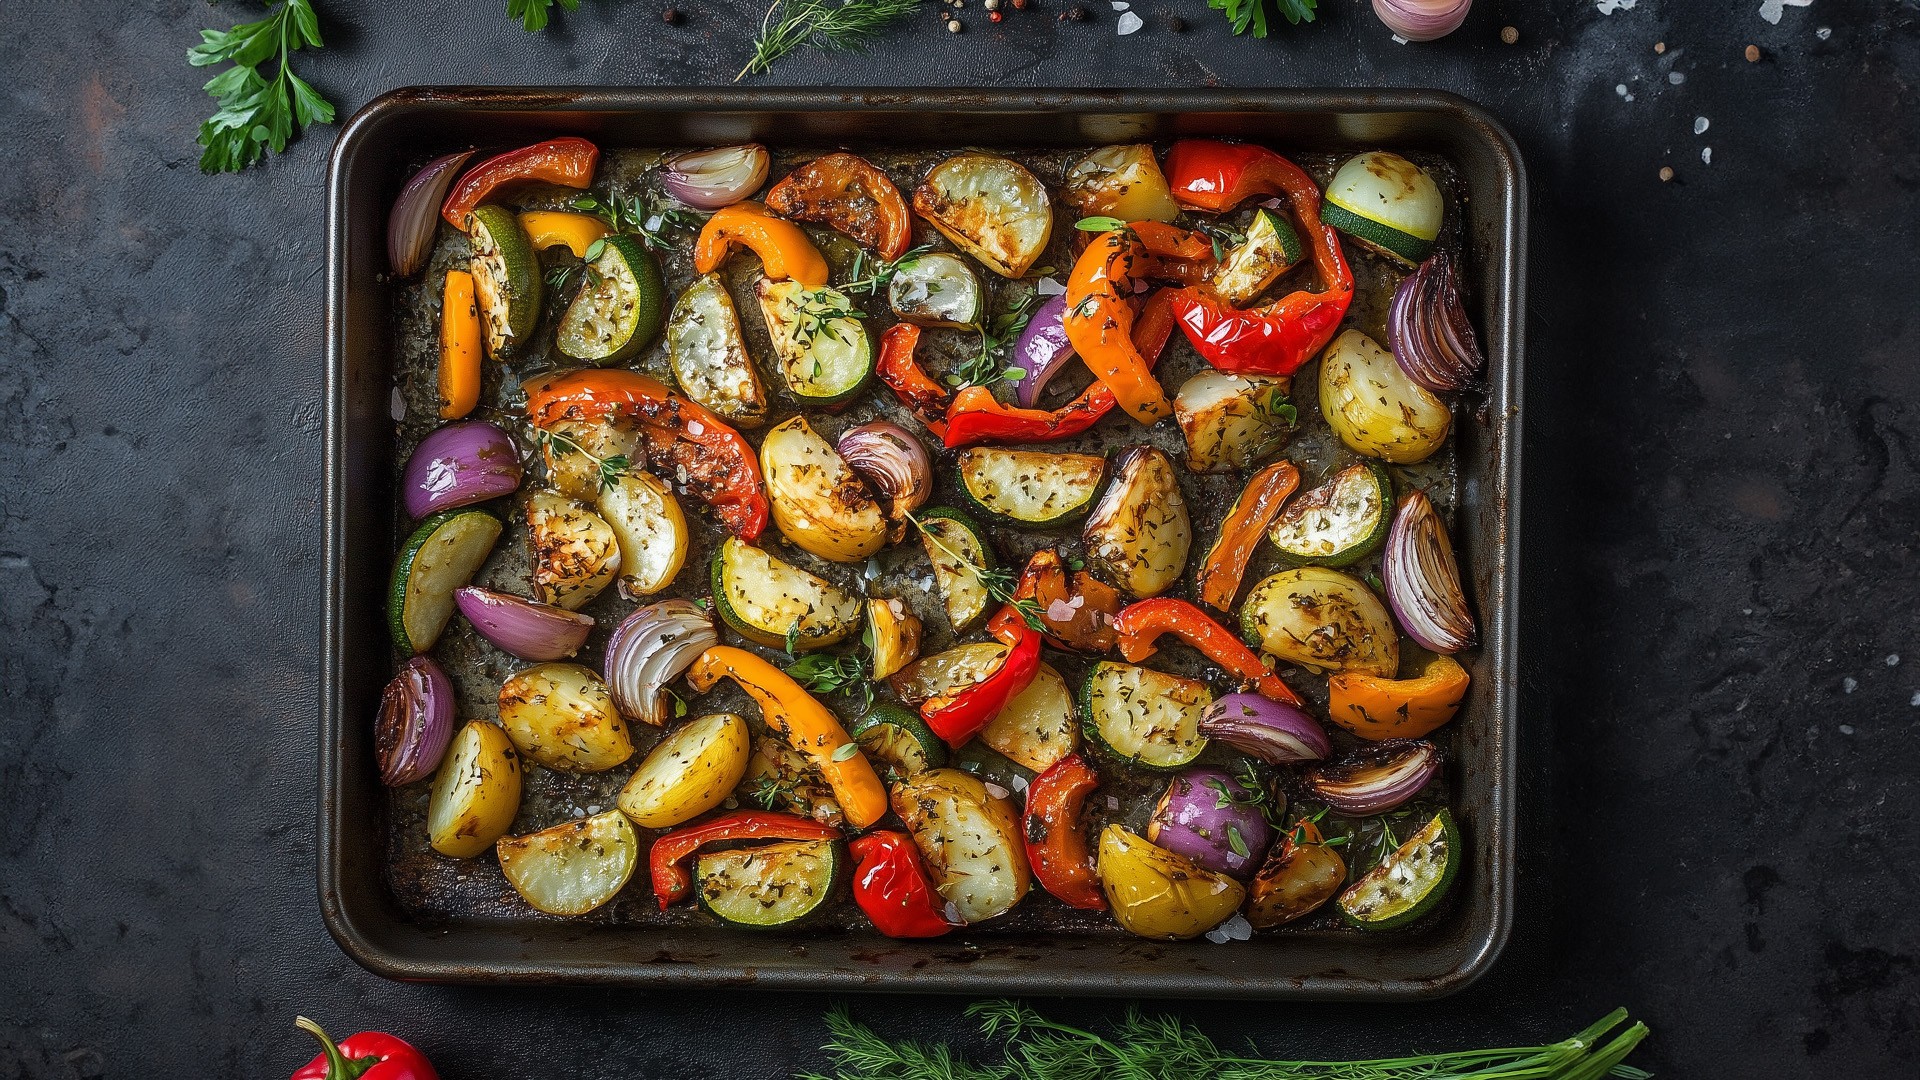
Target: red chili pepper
pixel 683 439
pixel 1089 629
pixel 1140 624
pixel 890 884
pixel 975 416
pixel 1279 337
pixel 568 162
pixel 1056 842
pixel 909 382
pixel 666 861
pixel 368 1055
pixel 959 717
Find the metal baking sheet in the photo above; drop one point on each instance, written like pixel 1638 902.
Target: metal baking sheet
pixel 406 913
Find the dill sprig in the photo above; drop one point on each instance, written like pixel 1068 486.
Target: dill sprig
pixel 823 24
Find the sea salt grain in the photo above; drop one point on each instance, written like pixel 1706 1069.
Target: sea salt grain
pixel 1846 729
pixel 1893 659
pixel 397 406
pixel 1129 23
pixel 1699 125
pixel 1823 33
pixel 1049 287
pixel 1706 155
pixel 1676 77
pixel 1849 684
pixel 1771 10
pixel 1608 7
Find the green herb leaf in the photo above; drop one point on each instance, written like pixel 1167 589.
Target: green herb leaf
pixel 844 751
pixel 835 25
pixel 258 115
pixel 1247 15
pixel 793 636
pixel 1099 224
pixel 1236 841
pixel 533 14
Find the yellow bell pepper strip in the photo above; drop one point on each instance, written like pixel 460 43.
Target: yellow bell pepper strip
pixel 807 725
pixel 784 250
pixel 1099 320
pixel 1275 339
pixel 1376 709
pixel 459 347
pixel 1140 624
pixel 1240 533
pixel 562 228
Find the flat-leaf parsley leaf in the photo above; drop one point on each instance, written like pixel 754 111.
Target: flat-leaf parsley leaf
pixel 258 115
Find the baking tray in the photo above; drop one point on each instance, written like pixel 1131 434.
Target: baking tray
pixel 407 125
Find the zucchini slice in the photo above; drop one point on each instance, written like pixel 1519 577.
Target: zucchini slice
pixel 991 208
pixel 442 555
pixel 575 552
pixel 769 886
pixel 1139 535
pixel 991 767
pixel 1039 726
pixel 898 742
pixel 1338 523
pixel 620 307
pixel 819 502
pixel 1323 619
pixel 825 356
pixel 507 283
pixel 1408 883
pixel 1031 488
pixel 643 513
pixel 936 289
pixel 573 867
pixel 953 542
pixel 1387 203
pixel 947 672
pixel 1149 717
pixel 709 353
pixel 1271 248
pixel 764 600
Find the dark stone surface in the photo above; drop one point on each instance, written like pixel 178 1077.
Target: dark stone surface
pixel 1723 669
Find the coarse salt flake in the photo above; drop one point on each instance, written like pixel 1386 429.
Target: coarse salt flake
pixel 1846 729
pixel 1771 10
pixel 1129 23
pixel 397 406
pixel 1849 684
pixel 1823 33
pixel 1676 77
pixel 1706 155
pixel 1049 287
pixel 1120 5
pixel 1398 40
pixel 1893 659
pixel 1699 125
pixel 1608 7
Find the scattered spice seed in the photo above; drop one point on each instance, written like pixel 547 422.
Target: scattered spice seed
pixel 1509 34
pixel 1659 46
pixel 953 26
pixel 1176 24
pixel 1753 54
pixel 1078 13
pixel 994 16
pixel 671 16
pixel 1666 173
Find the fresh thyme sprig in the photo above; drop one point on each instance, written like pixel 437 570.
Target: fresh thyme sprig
pixel 827 673
pixel 610 469
pixel 872 275
pixel 257 115
pixel 825 24
pixel 648 216
pixel 983 367
pixel 817 311
pixel 999 582
pixel 1223 237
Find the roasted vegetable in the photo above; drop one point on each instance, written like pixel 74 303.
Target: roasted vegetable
pixel 573 867
pixel 770 602
pixel 845 192
pixel 893 636
pixel 819 503
pixel 991 208
pixel 564 228
pixel 1408 883
pixel 667 859
pixel 946 673
pixel 1124 182
pixel 970 839
pixel 770 885
pixel 620 306
pixel 822 347
pixel 959 552
pixel 1075 612
pixel 575 552
pixel 1338 523
pixel 716 178
pixel 1211 817
pixel 1218 581
pixel 784 250
pixel 709 353
pixel 568 161
pixel 1056 835
pixel 1271 249
pixel 1029 488
pixel 1323 619
pixel 1139 626
pixel 1379 708
pixel 1148 717
pixel 1375 777
pixel 507 285
pixel 1231 422
pixel 459 465
pixel 562 716
pixel 898 742
pixel 1039 726
pixel 1138 535
pixel 1374 408
pixel 781 778
pixel 460 337
pixel 476 793
pixel 891 886
pixel 575 450
pixel 937 289
pixel 1300 874
pixel 651 647
pixel 1387 203
pixel 524 628
pixel 1158 894
pixel 441 556
pixel 959 716
pixel 653 532
pixel 1422 578
pixel 688 773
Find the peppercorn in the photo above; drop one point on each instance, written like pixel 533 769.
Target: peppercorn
pixel 1659 46
pixel 1666 173
pixel 953 26
pixel 1020 5
pixel 1753 54
pixel 1176 24
pixel 1078 13
pixel 1509 34
pixel 671 16
pixel 993 16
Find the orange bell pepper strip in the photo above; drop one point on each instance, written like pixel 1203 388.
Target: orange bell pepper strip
pixel 784 250
pixel 1276 339
pixel 1099 320
pixel 1240 532
pixel 667 859
pixel 847 193
pixel 917 390
pixel 459 347
pixel 1140 624
pixel 567 162
pixel 563 228
pixel 1055 837
pixel 1375 708
pixel 683 439
pixel 807 725
pixel 1093 604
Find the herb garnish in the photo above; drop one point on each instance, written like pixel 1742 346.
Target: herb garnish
pixel 825 673
pixel 610 469
pixel 999 582
pixel 824 24
pixel 982 368
pixel 533 14
pixel 647 216
pixel 258 116
pixel 1253 13
pixel 871 276
pixel 818 310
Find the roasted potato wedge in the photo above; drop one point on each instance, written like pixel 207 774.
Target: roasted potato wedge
pixel 689 772
pixel 575 866
pixel 1158 894
pixel 1232 422
pixel 652 530
pixel 1374 408
pixel 1120 181
pixel 1323 619
pixel 1038 727
pixel 562 716
pixel 819 502
pixel 970 839
pixel 574 450
pixel 476 792
pixel 1138 535
pixel 894 636
pixel 709 353
pixel 991 208
pixel 575 553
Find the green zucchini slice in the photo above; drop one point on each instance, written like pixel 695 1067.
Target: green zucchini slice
pixel 1271 248
pixel 769 886
pixel 442 555
pixel 507 283
pixel 1387 203
pixel 898 742
pixel 993 767
pixel 709 353
pixel 767 601
pixel 1149 717
pixel 1031 488
pixel 953 542
pixel 620 307
pixel 823 350
pixel 1338 523
pixel 1408 883
pixel 936 289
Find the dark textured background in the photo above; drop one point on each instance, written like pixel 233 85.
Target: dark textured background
pixel 1722 664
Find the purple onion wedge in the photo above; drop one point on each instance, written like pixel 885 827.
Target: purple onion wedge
pixel 711 179
pixel 1213 819
pixel 459 465
pixel 649 649
pixel 415 724
pixel 1273 731
pixel 1422 578
pixel 1376 777
pixel 416 214
pixel 1428 330
pixel 526 628
pixel 1042 350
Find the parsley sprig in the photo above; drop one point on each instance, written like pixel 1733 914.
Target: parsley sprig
pixel 258 115
pixel 1245 14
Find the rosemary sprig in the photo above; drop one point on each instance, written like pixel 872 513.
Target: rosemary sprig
pixel 982 368
pixel 824 24
pixel 999 583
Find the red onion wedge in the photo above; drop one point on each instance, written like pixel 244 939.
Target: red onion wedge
pixel 416 214
pixel 1422 20
pixel 1376 777
pixel 526 628
pixel 650 649
pixel 711 179
pixel 893 460
pixel 1273 731
pixel 1423 580
pixel 1213 819
pixel 1042 350
pixel 1428 330
pixel 459 465
pixel 415 724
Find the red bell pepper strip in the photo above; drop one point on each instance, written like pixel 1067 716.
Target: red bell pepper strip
pixel 1279 337
pixel 666 862
pixel 1240 532
pixel 959 717
pixel 1044 581
pixel 1140 624
pixel 683 440
pixel 568 162
pixel 1055 839
pixel 890 884
pixel 1099 321
pixel 917 390
pixel 368 1055
pixel 975 416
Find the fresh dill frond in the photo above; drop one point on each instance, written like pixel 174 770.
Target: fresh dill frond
pixel 834 25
